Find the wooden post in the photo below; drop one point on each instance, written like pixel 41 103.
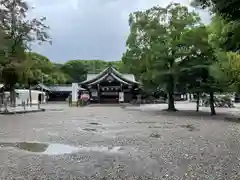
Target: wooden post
pixel 98 87
pixel 24 105
pixel 5 105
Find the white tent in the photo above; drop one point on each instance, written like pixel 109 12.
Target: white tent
pixel 23 95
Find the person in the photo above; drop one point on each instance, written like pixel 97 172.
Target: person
pixel 70 100
pixel 85 98
pixel 47 97
pixel 79 100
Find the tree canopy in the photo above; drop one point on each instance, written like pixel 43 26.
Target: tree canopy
pixel 168 49
pixel 165 45
pixel 226 8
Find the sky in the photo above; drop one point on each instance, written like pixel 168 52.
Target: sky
pixel 90 29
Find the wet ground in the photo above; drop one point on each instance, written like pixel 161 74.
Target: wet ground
pixel 105 143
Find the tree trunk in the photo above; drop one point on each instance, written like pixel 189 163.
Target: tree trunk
pixel 171 106
pixel 30 94
pixel 198 101
pixel 12 97
pixel 211 101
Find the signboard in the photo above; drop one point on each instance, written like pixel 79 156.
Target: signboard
pixel 121 97
pixel 109 93
pixel 74 92
pixel 94 93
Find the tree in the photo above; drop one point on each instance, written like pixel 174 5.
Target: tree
pixel 225 39
pixel 224 35
pixel 42 68
pixel 226 8
pixel 194 68
pixel 39 69
pixel 155 47
pixel 227 70
pixel 19 33
pixel 76 69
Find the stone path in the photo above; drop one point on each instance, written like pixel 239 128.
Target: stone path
pixel 117 143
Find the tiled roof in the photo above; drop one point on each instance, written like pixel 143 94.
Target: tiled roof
pixel 129 77
pixel 57 88
pixel 62 88
pixel 43 87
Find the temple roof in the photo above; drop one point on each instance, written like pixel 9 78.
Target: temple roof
pixel 57 88
pixel 124 78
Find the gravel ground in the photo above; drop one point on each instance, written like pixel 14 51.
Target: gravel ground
pixel 138 143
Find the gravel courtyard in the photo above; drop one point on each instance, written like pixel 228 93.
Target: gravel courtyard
pixel 112 143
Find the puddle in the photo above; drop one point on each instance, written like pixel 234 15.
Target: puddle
pixel 190 127
pixel 94 123
pixel 89 129
pixel 58 149
pixel 145 122
pixel 156 127
pixel 55 110
pixel 43 148
pixel 155 135
pixel 31 147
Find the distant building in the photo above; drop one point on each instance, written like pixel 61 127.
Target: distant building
pixel 56 92
pixel 111 86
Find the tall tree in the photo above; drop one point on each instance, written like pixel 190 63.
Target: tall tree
pixel 19 33
pixel 225 39
pixel 224 35
pixel 42 68
pixel 194 68
pixel 155 46
pixel 76 69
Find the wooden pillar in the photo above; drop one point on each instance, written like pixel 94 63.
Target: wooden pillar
pixel 98 91
pixel 122 92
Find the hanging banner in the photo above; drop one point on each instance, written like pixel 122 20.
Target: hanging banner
pixel 74 92
pixel 121 97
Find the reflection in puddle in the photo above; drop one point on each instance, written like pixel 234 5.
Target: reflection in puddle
pixel 57 149
pixel 31 147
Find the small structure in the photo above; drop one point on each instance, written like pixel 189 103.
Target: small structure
pixel 23 95
pixel 61 92
pixel 57 92
pixel 110 86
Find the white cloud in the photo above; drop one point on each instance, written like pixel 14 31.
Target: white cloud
pixel 93 29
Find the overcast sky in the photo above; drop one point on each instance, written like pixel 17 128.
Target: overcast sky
pixel 89 29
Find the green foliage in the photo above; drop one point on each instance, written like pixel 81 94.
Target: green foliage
pixel 40 68
pixel 78 69
pixel 226 8
pixel 227 70
pixel 159 44
pixel 17 33
pixel 195 66
pixel 224 35
pixel 224 38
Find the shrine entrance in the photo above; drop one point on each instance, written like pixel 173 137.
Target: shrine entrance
pixel 110 86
